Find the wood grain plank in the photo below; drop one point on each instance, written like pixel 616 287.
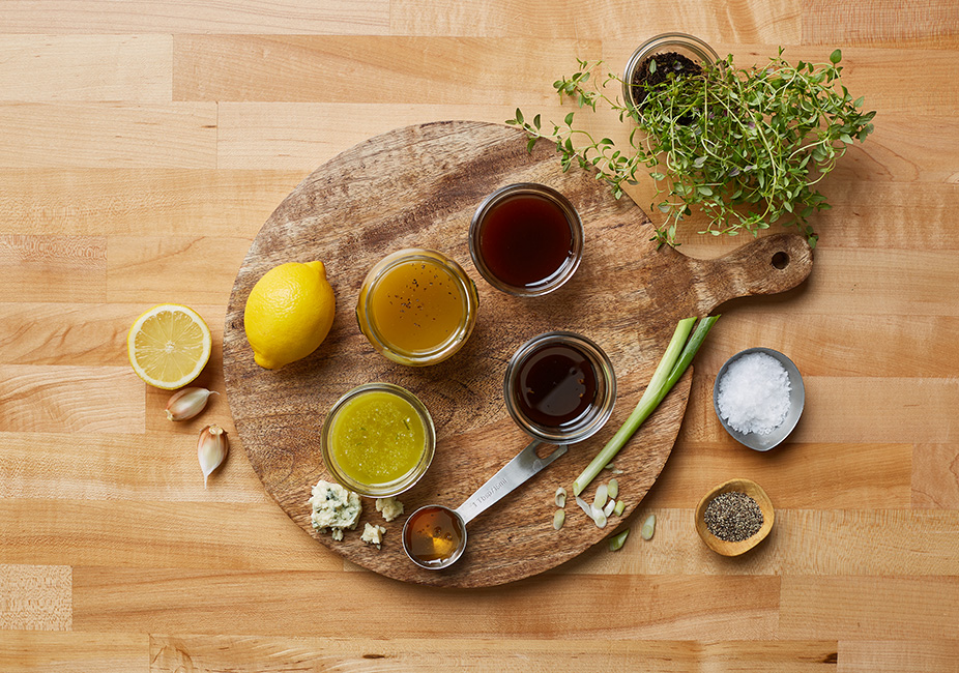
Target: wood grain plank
pixel 35 333
pixel 107 135
pixel 171 654
pixel 870 608
pixel 896 410
pixel 34 597
pixel 46 68
pixel 907 215
pixel 144 534
pixel 926 24
pixel 754 21
pixel 292 136
pixel 935 476
pixel 52 268
pixel 128 202
pixel 364 69
pixel 107 400
pixel 71 652
pixel 837 345
pixel 184 270
pixel 807 543
pixel 796 475
pixel 156 16
pixel 125 468
pixel 272 603
pixel 883 656
pixel 904 148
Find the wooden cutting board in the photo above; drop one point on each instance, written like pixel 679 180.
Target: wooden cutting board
pixel 418 187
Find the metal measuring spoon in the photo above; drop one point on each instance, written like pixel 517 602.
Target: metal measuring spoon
pixel 434 536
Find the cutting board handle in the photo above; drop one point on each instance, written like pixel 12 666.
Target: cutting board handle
pixel 767 265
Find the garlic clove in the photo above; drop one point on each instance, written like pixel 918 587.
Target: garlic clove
pixel 187 403
pixel 211 449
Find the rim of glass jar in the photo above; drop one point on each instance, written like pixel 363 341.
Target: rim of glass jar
pixel 396 486
pixel 683 41
pixel 367 325
pixel 605 391
pixel 563 273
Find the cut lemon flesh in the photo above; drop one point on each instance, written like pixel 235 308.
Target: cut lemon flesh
pixel 169 345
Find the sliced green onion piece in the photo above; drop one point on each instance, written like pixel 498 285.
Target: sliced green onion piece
pixel 559 518
pixel 649 527
pixel 617 541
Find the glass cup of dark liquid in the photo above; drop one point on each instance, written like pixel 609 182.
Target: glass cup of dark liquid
pixel 560 388
pixel 526 239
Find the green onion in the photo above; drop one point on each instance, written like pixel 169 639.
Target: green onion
pixel 617 541
pixel 676 360
pixel 649 527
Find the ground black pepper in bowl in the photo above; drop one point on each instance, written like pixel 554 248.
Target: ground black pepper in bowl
pixel 733 516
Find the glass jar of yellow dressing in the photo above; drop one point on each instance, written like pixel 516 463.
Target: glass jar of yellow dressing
pixel 378 440
pixel 417 307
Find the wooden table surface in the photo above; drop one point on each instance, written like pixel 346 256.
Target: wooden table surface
pixel 142 146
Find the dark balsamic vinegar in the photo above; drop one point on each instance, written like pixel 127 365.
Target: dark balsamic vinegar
pixel 526 240
pixel 556 386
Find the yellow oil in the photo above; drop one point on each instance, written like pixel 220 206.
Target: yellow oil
pixel 433 535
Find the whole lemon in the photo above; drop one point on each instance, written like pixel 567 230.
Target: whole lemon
pixel 289 313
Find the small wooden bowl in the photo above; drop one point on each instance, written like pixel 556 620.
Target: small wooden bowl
pixel 754 491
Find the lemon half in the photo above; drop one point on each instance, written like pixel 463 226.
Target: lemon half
pixel 169 346
pixel 289 313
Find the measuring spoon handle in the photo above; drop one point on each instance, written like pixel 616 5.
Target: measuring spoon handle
pixel 515 473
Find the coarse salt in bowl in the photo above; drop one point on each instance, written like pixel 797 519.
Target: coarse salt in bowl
pixel 759 397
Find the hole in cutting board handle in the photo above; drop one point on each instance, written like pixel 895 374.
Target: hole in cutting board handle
pixel 780 260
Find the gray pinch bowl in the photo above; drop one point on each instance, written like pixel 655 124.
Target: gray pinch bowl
pixel 797 400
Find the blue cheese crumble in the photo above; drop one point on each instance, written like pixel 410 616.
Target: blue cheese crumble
pixel 334 508
pixel 373 534
pixel 390 508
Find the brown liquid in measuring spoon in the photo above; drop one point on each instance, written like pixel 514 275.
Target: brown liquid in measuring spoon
pixel 433 534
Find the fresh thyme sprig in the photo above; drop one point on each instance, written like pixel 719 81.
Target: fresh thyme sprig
pixel 747 147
